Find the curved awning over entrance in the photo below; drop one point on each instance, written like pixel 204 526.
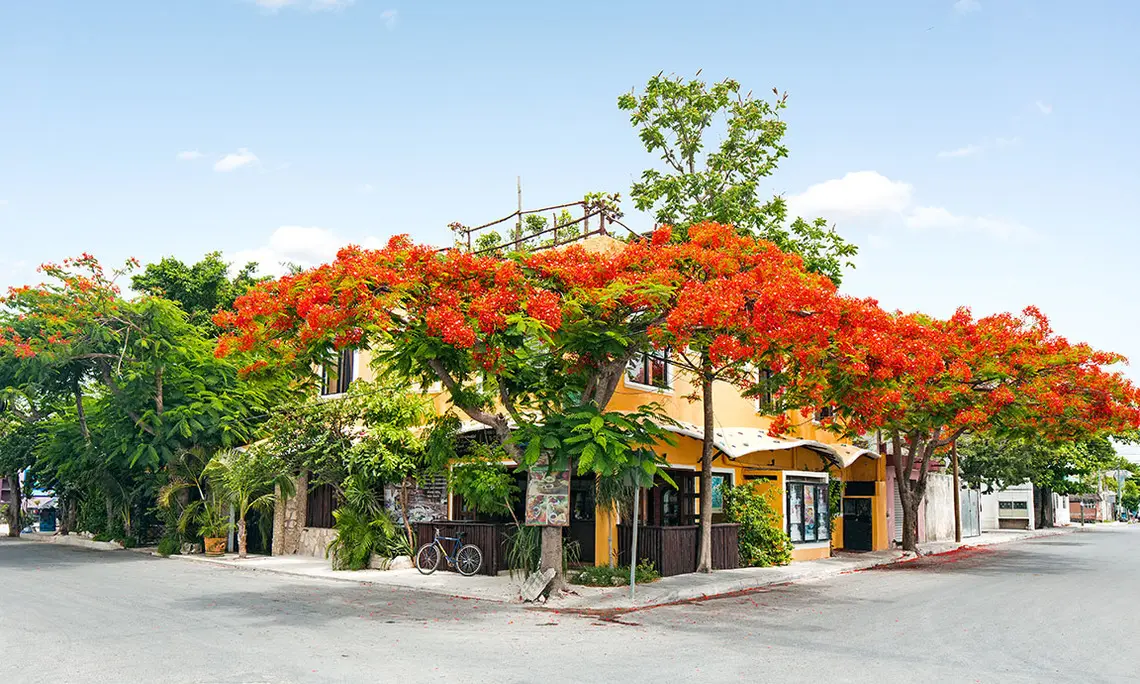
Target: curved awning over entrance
pixel 735 442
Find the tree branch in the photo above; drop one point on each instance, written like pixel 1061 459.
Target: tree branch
pixel 119 394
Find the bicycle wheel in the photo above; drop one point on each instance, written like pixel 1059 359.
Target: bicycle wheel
pixel 468 560
pixel 427 558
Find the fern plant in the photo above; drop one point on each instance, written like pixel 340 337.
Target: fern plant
pixel 359 534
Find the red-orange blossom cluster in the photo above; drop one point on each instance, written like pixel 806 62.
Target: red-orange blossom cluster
pixel 743 296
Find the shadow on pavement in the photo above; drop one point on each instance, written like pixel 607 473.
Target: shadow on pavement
pixel 991 561
pixel 29 555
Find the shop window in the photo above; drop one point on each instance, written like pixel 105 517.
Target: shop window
pixel 809 519
pixel 650 369
pixel 336 377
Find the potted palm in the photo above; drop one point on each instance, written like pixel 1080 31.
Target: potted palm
pixel 249 479
pixel 213 525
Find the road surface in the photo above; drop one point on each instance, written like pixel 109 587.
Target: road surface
pixel 1057 609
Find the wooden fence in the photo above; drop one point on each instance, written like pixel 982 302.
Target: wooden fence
pixel 673 550
pixel 491 538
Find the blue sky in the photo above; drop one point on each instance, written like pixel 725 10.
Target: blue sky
pixel 981 152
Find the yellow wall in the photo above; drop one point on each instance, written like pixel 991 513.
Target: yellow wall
pixel 682 403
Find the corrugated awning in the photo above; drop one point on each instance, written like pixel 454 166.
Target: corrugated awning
pixel 735 442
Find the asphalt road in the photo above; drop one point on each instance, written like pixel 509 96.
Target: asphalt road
pixel 1057 609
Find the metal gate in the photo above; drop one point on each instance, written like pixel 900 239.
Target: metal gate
pixel 898 526
pixel 970 501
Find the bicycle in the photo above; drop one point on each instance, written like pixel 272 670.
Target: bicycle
pixel 468 558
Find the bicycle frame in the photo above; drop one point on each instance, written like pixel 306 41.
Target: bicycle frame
pixel 457 543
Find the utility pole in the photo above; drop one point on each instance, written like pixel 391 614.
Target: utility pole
pixel 957 494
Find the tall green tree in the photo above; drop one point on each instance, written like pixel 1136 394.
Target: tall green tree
pixel 249 479
pixel 201 289
pixel 717 146
pixel 996 462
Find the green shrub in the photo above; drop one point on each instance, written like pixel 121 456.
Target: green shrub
pixel 763 541
pixel 524 550
pixel 361 534
pixel 605 576
pixel 169 546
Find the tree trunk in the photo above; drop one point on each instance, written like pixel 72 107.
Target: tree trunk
pixel 1043 507
pixel 62 502
pixel 243 538
pixel 73 513
pixel 551 555
pixel 704 554
pixel 14 504
pixel 110 506
pixel 919 449
pixel 80 413
pixel 404 513
pixel 910 520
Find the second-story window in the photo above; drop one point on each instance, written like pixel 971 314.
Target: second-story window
pixel 335 378
pixel 651 369
pixel 765 391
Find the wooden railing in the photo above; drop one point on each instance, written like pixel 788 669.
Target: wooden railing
pixel 491 538
pixel 673 550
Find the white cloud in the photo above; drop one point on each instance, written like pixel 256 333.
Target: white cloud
pixel 1007 142
pixel 859 193
pixel 366 189
pixel 1044 108
pixel 967 151
pixel 235 160
pixel 189 155
pixel 869 195
pixel 304 246
pixel 940 218
pixel 311 5
pixel 390 17
pixel 967 6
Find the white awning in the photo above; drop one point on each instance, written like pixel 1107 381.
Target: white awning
pixel 735 442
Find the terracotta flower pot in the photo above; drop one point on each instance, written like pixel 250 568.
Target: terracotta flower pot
pixel 215 546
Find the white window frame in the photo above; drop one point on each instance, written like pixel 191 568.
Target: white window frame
pixel 355 375
pixel 669 372
pixel 760 409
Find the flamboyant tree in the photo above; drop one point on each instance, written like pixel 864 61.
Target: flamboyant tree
pixel 923 383
pixel 744 305
pixel 509 339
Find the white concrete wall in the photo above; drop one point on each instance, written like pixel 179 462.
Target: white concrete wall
pixel 939 507
pixel 992 513
pixel 1061 510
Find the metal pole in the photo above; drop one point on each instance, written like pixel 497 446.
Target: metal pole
pixel 957 495
pixel 518 221
pixel 633 543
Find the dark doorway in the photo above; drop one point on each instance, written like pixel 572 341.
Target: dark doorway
pixel 669 506
pixel 582 517
pixel 857 520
